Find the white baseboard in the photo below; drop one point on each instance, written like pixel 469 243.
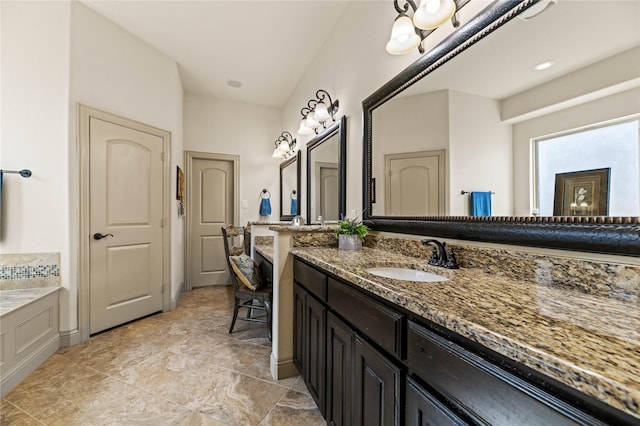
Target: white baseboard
pixel 70 338
pixel 282 369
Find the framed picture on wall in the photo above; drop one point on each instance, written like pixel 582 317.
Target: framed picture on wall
pixel 582 193
pixel 180 190
pixel 179 185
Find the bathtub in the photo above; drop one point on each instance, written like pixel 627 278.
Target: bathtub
pixel 29 332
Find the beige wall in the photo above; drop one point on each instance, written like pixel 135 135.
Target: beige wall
pixel 480 154
pixel 55 54
pixel 237 128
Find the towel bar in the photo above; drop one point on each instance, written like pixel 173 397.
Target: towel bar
pixel 463 192
pixel 25 173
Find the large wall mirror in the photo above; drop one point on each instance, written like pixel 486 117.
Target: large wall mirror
pixel 327 174
pixel 556 150
pixel 290 197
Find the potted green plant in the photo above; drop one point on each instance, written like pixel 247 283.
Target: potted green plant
pixel 351 233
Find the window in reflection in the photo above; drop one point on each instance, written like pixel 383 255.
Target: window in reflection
pixel 587 155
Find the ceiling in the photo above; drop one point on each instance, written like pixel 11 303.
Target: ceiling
pixel 268 45
pixel 265 45
pixel 573 34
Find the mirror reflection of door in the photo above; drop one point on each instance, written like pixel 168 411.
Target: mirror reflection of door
pixel 414 184
pixel 327 191
pixel 325 180
pixel 290 196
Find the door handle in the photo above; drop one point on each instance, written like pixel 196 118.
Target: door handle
pixel 99 236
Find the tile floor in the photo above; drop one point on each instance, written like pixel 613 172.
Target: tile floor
pixel 176 368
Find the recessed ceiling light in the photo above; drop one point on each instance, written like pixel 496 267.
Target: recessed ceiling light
pixel 544 65
pixel 234 83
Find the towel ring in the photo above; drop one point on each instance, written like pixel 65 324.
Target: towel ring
pixel 293 195
pixel 264 191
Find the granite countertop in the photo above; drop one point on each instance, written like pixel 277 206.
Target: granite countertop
pixel 304 228
pixel 10 300
pixel 266 250
pixel 590 343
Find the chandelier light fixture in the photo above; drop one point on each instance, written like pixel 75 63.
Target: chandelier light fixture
pixel 285 146
pixel 318 113
pixel 408 32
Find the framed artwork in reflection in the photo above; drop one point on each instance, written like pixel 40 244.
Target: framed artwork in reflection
pixel 582 193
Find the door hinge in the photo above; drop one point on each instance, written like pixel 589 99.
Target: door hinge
pixel 162 156
pixel 162 288
pixel 162 222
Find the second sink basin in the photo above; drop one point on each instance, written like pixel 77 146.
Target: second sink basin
pixel 406 274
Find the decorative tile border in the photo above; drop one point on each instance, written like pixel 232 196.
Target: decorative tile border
pixel 29 270
pixel 21 272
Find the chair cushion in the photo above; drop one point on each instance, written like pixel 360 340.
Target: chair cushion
pixel 247 271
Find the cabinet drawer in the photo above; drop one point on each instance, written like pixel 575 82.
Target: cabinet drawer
pixel 374 320
pixel 311 279
pixel 422 409
pixel 481 389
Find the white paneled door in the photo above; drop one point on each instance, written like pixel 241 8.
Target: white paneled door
pixel 211 206
pixel 328 191
pixel 415 184
pixel 126 221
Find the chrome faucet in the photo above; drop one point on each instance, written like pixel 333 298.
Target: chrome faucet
pixel 439 255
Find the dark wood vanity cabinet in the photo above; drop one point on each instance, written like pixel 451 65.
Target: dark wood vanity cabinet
pixel 480 390
pixel 367 362
pixel 362 384
pixel 377 382
pixel 340 345
pixel 423 409
pixel 310 330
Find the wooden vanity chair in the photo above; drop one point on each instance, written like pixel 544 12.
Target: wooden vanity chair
pixel 249 285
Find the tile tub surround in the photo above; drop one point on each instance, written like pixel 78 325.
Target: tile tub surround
pixel 589 342
pixel 29 270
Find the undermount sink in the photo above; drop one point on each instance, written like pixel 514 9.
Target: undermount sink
pixel 406 274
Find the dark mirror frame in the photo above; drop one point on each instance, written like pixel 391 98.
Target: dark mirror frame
pixel 613 235
pixel 339 128
pixel 296 159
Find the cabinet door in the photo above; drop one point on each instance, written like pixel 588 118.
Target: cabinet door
pixel 315 347
pixel 298 326
pixel 423 409
pixel 340 342
pixel 377 387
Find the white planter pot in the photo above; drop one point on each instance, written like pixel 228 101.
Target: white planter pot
pixel 349 242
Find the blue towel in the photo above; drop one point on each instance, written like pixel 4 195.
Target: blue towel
pixel 265 207
pixel 294 207
pixel 481 204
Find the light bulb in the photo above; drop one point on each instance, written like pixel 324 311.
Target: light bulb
pixel 433 13
pixel 311 123
pixel 304 130
pixel 403 36
pixel 321 113
pixel 283 147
